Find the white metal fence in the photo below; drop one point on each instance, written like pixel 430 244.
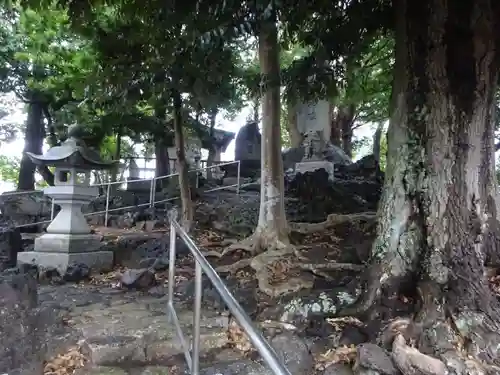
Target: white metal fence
pixel 152 190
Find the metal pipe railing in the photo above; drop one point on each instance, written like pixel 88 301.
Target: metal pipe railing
pixel 152 188
pixel 202 265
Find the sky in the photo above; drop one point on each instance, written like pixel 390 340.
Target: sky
pixel 14 149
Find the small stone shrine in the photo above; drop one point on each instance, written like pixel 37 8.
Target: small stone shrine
pixel 69 239
pixel 312 119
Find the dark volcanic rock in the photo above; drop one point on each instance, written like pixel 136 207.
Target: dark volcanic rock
pixel 27 332
pixel 318 196
pixel 10 245
pixel 142 279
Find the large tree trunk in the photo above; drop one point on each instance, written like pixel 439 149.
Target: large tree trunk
pixel 436 216
pixel 33 142
pixel 182 167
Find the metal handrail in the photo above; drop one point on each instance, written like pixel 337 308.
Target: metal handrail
pixel 202 265
pixel 151 202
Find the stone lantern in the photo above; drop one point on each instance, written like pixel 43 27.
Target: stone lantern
pixel 69 239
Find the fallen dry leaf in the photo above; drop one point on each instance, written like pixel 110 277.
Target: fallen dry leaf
pixel 66 363
pixel 344 354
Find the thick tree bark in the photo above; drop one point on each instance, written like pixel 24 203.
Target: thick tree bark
pixel 377 138
pixel 182 167
pixel 435 218
pixel 33 142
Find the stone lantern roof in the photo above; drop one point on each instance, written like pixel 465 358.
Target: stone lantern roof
pixel 72 153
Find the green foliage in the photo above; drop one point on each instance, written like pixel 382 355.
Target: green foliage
pixel 9 169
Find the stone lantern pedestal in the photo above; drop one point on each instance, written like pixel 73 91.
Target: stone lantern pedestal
pixel 69 240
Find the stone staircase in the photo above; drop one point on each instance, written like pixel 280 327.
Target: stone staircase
pixel 124 332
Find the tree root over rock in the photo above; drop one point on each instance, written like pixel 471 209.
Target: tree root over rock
pixel 272 256
pixel 263 262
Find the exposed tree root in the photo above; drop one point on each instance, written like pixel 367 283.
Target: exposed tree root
pixel 232 268
pixel 331 220
pixel 443 340
pixel 319 269
pixel 249 245
pixel 410 361
pixel 279 259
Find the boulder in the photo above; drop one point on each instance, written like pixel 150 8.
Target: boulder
pixel 294 353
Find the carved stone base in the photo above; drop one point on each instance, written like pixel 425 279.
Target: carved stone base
pixel 311 166
pixel 68 243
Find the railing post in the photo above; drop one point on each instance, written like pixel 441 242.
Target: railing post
pixel 171 260
pixel 108 192
pixel 52 209
pixel 152 193
pixel 195 356
pixel 238 178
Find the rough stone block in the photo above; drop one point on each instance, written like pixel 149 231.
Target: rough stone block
pixel 114 350
pixel 96 261
pixel 10 245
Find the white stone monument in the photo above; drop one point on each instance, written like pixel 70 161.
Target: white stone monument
pixel 313 123
pixel 69 239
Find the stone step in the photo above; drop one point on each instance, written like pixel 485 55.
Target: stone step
pixel 240 367
pixel 129 332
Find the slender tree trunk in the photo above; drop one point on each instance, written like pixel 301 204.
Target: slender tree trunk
pixel 377 138
pixel 256 109
pixel 212 150
pixel 272 226
pixel 162 165
pixel 436 218
pixel 335 130
pixel 162 158
pixel 293 131
pixel 346 119
pixel 182 167
pixel 114 171
pixel 33 142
